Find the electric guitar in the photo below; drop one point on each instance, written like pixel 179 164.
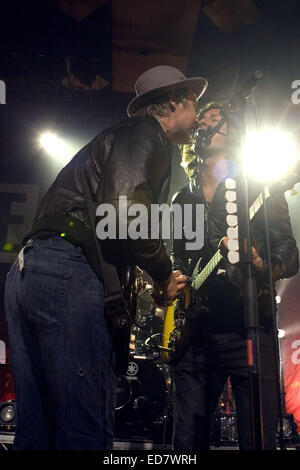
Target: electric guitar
pixel 175 337
pixel 122 331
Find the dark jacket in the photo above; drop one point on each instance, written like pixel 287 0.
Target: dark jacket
pixel 133 159
pixel 224 292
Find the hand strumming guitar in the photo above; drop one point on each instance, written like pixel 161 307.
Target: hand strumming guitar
pixel 165 292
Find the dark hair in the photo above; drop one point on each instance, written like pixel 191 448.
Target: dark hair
pixel 214 104
pixel 160 106
pixel 189 158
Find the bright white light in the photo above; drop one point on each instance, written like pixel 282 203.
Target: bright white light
pixel 281 333
pixel 278 299
pixel 56 147
pixel 268 154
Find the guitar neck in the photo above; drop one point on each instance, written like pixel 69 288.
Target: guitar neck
pixel 207 270
pixel 258 203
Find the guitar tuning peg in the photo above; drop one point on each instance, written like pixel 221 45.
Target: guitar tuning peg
pixel 294 191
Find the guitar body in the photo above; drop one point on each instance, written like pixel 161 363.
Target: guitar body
pixel 179 325
pixel 176 332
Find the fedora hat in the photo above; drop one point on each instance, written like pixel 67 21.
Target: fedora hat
pixel 159 80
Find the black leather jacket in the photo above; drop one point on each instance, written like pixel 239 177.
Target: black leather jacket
pixel 224 292
pixel 133 159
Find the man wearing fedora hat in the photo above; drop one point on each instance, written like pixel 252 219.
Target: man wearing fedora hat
pixel 60 334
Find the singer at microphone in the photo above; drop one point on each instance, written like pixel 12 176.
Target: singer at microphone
pixel 203 136
pixel 217 348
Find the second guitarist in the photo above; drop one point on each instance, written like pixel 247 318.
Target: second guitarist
pixel 217 346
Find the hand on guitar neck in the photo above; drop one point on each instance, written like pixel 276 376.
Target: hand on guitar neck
pixel 165 292
pixel 256 259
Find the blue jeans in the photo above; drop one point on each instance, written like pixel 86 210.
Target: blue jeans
pixel 61 347
pixel 199 379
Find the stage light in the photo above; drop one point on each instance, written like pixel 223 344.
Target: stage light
pixel 56 147
pixel 268 154
pixel 8 416
pixel 281 333
pixel 7 413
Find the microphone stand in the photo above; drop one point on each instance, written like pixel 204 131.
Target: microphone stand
pixel 250 294
pixel 236 106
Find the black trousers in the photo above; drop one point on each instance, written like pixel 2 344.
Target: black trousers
pixel 199 379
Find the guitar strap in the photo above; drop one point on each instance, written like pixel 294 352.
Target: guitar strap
pixel 113 297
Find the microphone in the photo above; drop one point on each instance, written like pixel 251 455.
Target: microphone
pixel 203 137
pixel 246 89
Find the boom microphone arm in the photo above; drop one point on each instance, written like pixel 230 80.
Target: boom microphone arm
pixel 203 137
